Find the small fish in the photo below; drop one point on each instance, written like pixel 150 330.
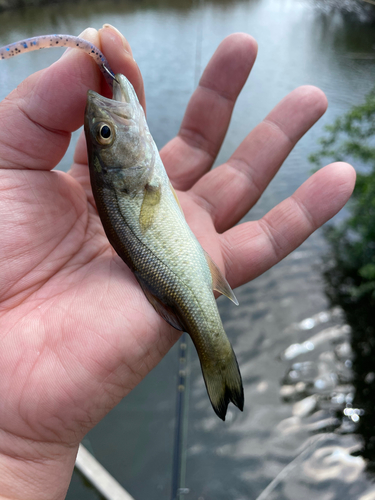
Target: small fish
pixel 144 223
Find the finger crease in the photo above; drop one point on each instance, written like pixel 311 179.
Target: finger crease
pixel 271 232
pixel 47 129
pixel 224 95
pixel 203 202
pixel 16 163
pixel 305 212
pixel 197 140
pixel 244 168
pixel 278 128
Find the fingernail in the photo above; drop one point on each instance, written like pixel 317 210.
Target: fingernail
pixel 89 34
pixel 124 41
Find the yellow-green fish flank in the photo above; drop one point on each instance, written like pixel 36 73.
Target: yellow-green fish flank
pixel 144 223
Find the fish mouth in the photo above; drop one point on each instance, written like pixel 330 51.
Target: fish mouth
pixel 96 100
pixel 123 90
pixel 104 108
pixel 121 107
pixel 120 90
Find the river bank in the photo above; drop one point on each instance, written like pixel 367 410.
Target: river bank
pixel 364 10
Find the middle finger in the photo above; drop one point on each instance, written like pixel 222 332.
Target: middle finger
pixel 189 155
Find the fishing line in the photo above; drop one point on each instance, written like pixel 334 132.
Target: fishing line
pixel 179 488
pixel 314 440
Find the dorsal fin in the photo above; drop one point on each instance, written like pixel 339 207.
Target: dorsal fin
pixel 175 196
pixel 219 283
pixel 166 312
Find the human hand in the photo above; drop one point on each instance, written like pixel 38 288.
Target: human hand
pixel 77 333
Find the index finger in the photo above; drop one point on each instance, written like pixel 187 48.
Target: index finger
pixel 38 117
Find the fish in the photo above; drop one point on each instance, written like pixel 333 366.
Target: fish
pixel 144 222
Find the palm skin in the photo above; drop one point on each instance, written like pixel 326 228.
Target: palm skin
pixel 77 333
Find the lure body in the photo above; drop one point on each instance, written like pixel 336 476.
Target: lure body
pixel 50 41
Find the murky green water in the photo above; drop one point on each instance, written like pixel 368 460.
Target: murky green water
pixel 172 41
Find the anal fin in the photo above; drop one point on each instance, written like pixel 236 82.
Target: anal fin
pixel 165 311
pixel 219 283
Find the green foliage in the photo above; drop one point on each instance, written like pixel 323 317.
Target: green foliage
pixel 350 269
pixel 350 264
pixel 351 136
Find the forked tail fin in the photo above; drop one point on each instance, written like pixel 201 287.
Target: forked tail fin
pixel 223 383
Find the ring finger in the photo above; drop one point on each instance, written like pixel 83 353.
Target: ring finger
pixel 229 191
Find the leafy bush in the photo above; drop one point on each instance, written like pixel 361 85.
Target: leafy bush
pixel 350 264
pixel 350 270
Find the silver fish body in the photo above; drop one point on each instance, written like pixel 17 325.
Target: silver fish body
pixel 144 223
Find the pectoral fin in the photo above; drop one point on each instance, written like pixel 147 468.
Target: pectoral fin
pixel 219 283
pixel 166 312
pixel 150 206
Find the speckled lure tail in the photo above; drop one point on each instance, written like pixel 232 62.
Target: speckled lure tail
pixel 50 41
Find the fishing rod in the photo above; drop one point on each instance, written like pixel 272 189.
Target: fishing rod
pixel 183 380
pixel 180 439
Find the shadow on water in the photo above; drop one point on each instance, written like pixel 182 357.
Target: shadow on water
pixel 82 487
pixel 32 18
pixel 347 35
pixel 360 10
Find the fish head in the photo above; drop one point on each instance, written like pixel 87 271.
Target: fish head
pixel 120 148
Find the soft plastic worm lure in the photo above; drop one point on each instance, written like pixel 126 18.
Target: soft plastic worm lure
pixel 48 41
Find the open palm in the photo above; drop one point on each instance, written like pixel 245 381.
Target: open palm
pixel 77 333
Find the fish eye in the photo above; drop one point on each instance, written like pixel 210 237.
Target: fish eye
pixel 104 134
